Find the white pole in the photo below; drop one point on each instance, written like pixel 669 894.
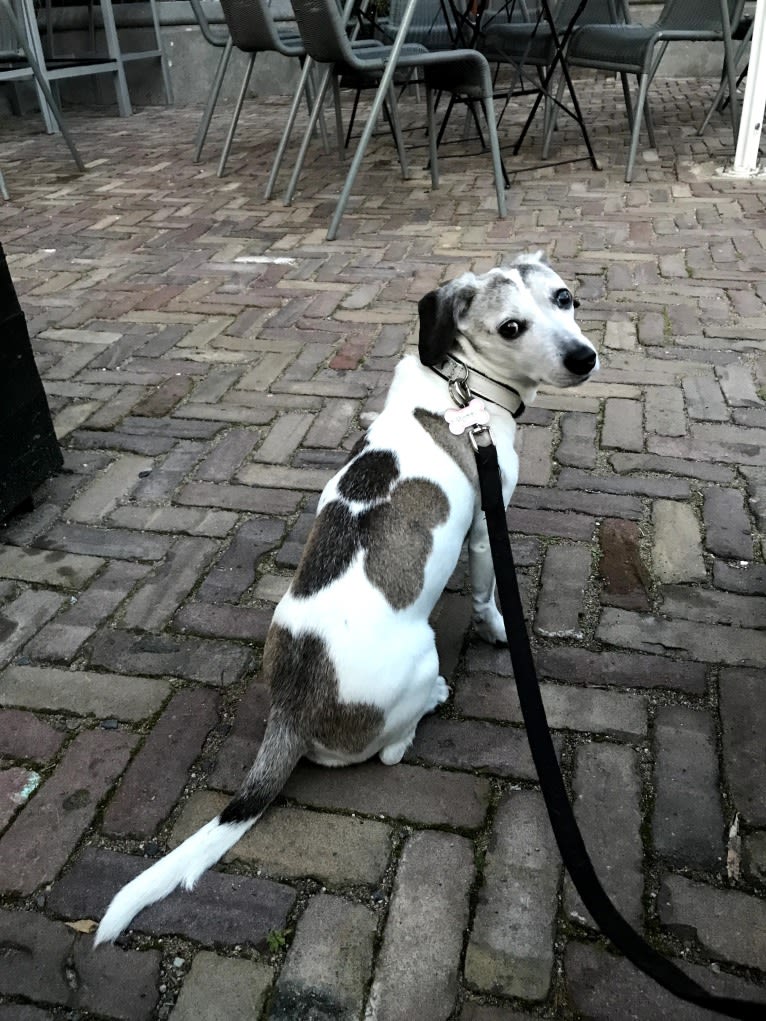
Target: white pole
pixel 754 103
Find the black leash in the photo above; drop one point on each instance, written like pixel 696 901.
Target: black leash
pixel 565 828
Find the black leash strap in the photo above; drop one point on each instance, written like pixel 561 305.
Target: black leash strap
pixel 565 828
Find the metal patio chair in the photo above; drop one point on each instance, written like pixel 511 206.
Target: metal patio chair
pixel 464 72
pixel 639 49
pixel 252 30
pixel 19 65
pixel 531 43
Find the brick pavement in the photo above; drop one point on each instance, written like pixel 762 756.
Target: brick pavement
pixel 209 359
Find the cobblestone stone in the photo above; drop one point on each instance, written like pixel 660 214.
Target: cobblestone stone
pixel 23 736
pixel 65 570
pixel 65 804
pixel 510 950
pixel 228 909
pixel 561 603
pixel 410 793
pixel 193 658
pixel 605 987
pixel 728 923
pixel 677 550
pixel 157 774
pixel 329 962
pixel 607 796
pixel 686 759
pixel 82 692
pixel 742 716
pixel 716 644
pixel 727 528
pixel 45 961
pixel 218 986
pixel 625 579
pixel 336 849
pixel 430 894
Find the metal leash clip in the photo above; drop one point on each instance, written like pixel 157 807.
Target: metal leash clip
pixel 458 387
pixel 470 415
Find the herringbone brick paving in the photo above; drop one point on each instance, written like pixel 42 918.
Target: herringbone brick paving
pixel 209 359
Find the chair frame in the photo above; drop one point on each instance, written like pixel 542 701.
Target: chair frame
pixel 647 64
pixel 335 48
pixel 34 71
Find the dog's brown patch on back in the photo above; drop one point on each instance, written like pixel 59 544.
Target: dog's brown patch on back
pixel 304 689
pixel 369 477
pixel 458 447
pixel 398 538
pixel 331 546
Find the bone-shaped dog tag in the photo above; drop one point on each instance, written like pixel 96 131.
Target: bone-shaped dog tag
pixel 460 419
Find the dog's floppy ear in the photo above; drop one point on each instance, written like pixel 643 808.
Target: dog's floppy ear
pixel 439 312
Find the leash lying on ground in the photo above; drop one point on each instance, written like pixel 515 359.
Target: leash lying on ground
pixel 563 822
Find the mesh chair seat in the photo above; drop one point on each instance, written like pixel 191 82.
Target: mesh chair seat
pixel 625 47
pixel 523 42
pixel 462 72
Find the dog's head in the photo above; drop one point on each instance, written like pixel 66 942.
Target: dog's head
pixel 515 324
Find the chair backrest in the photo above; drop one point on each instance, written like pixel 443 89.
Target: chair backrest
pixel 323 31
pixel 698 15
pixel 216 35
pixel 596 12
pixel 428 26
pixel 251 25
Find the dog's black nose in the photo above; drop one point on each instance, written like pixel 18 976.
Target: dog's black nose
pixel 581 360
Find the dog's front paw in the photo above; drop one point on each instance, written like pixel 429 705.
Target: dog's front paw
pixel 489 626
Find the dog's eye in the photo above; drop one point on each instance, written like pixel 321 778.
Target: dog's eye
pixel 510 329
pixel 563 298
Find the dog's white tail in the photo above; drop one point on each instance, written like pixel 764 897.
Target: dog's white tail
pixel 182 867
pixel 276 759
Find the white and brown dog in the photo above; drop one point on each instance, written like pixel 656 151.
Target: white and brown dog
pixel 350 656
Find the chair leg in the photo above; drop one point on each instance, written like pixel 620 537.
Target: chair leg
pixel 719 103
pixel 554 116
pixel 433 157
pixel 631 113
pixel 731 71
pixel 166 82
pixel 628 98
pixel 497 163
pixel 396 130
pixel 114 51
pixel 235 115
pixel 361 148
pixel 301 158
pixel 309 93
pixel 42 85
pixel 339 140
pixel 212 99
pixel 643 88
pixel 288 129
pixel 352 118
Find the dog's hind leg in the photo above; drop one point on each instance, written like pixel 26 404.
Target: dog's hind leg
pixel 394 752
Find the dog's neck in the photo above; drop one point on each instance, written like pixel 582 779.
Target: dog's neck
pixel 477 384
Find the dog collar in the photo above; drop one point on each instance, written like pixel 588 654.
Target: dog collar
pixel 475 383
